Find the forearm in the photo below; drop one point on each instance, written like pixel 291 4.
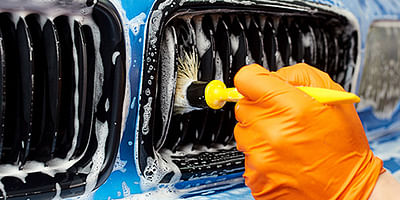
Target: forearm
pixel 386 188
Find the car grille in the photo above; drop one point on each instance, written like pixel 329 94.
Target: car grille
pixel 58 86
pixel 200 143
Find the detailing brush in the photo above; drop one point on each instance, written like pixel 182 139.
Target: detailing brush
pixel 192 94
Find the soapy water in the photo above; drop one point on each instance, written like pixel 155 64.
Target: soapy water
pixel 167 193
pixel 119 165
pixel 48 7
pixel 379 83
pixel 156 169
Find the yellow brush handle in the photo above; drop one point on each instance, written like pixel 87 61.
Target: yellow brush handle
pixel 216 95
pixel 328 96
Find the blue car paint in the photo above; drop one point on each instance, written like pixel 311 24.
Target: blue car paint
pixel 124 179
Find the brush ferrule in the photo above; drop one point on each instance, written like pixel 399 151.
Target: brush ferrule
pixel 195 94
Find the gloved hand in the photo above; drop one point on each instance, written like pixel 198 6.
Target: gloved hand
pixel 295 147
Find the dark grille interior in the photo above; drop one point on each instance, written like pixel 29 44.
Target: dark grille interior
pixel 39 87
pixel 225 43
pixel 55 92
pixel 225 37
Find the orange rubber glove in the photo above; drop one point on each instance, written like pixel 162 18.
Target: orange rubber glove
pixel 295 147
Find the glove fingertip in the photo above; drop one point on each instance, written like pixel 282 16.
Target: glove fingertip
pixel 246 77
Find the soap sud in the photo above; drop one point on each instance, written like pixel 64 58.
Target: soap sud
pixel 247 3
pixel 48 7
pixel 97 158
pixel 307 40
pixel 164 4
pixel 58 192
pixel 234 43
pixel 192 149
pixel 146 116
pixel 168 76
pixel 218 67
pixel 164 193
pixel 125 189
pixel 136 22
pixel 154 26
pixel 156 168
pixel 119 165
pixel 203 44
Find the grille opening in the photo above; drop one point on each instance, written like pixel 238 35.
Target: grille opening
pixel 61 91
pixel 187 148
pixel 202 142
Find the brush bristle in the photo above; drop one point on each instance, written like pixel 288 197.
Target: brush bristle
pixel 188 67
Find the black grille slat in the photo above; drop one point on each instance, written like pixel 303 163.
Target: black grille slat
pixel 2 91
pixel 270 44
pixel 322 49
pixel 10 142
pixel 54 87
pixel 87 118
pixel 81 49
pixel 255 41
pixel 239 57
pixel 207 61
pixel 224 49
pixel 167 100
pixel 67 108
pixel 284 43
pixel 297 36
pixel 206 72
pixel 333 54
pixel 39 87
pixel 310 49
pixel 26 84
